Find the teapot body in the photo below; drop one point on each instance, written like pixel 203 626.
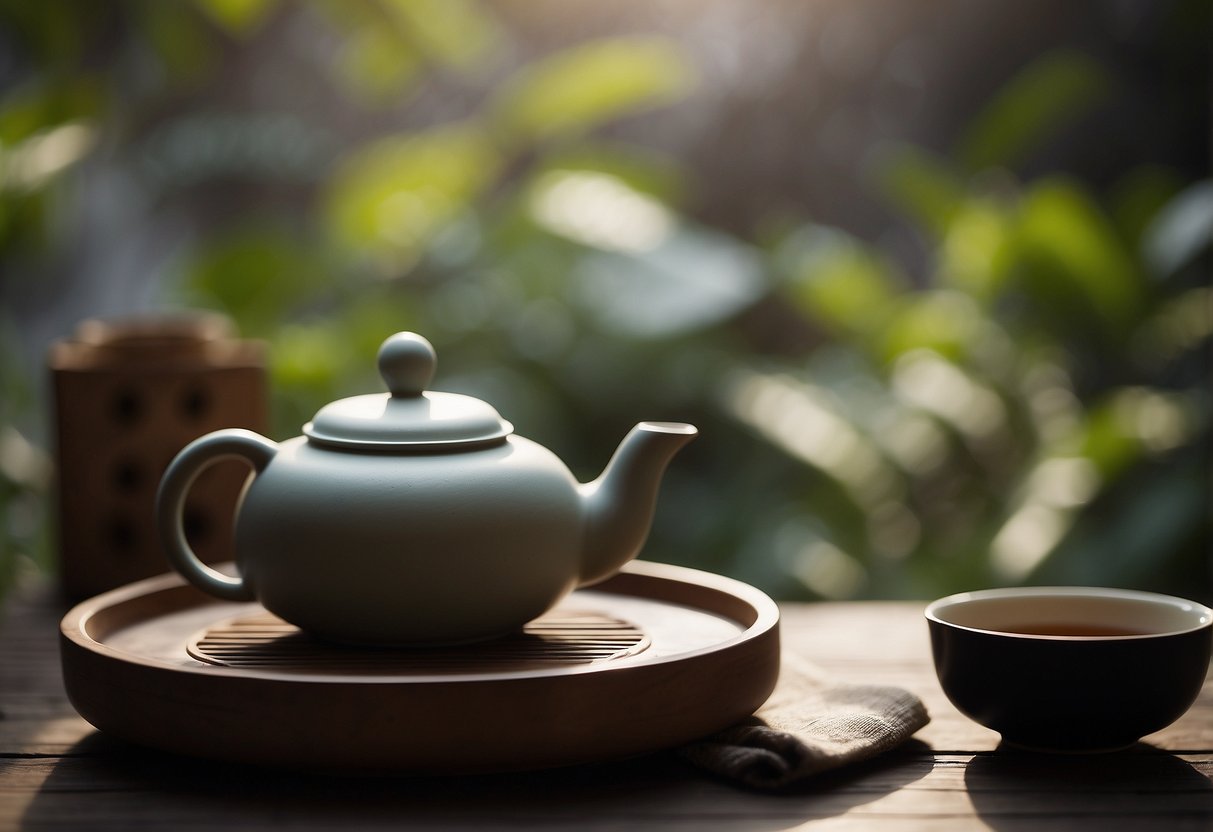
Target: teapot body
pixel 416 517
pixel 436 548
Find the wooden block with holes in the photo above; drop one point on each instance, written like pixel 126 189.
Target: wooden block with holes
pixel 127 397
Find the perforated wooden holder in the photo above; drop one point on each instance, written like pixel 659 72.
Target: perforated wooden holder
pixel 128 395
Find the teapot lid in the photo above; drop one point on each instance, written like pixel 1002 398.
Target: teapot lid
pixel 409 417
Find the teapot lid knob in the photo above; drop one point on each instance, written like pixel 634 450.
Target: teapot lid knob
pixel 412 418
pixel 406 363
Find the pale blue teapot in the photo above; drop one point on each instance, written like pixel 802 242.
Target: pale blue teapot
pixel 416 517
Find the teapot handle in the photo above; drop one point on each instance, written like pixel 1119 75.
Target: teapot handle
pixel 170 504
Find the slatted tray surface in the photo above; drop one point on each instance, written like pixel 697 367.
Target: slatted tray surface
pixel 264 641
pixel 650 659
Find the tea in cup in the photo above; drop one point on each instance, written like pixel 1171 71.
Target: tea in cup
pixel 1070 669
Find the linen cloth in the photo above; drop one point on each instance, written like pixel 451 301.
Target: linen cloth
pixel 812 723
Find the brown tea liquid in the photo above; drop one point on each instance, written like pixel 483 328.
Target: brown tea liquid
pixel 1064 629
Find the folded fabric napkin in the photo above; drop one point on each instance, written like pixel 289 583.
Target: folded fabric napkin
pixel 811 724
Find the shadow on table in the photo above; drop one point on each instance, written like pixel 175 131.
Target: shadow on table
pixel 1140 787
pixel 116 785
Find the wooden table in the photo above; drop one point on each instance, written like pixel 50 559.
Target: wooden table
pixel 56 772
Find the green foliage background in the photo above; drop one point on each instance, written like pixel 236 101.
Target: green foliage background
pixel 1030 405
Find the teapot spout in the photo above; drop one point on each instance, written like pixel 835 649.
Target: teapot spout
pixel 619 505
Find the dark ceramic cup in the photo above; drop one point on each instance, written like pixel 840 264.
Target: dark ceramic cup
pixel 1070 669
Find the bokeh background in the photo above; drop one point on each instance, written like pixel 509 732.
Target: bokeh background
pixel 932 278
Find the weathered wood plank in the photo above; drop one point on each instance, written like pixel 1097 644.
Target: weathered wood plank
pixel 129 787
pixel 126 787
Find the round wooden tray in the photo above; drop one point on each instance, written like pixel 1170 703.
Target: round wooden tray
pixel 652 658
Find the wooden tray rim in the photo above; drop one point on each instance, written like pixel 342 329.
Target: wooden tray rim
pixel 74 629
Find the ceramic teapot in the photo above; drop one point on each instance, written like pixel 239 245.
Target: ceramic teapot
pixel 415 517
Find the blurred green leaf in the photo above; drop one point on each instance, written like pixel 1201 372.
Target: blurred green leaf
pixel 376 65
pixel 582 87
pixel 930 406
pixel 36 161
pixel 976 252
pixel 923 186
pixel 456 33
pixel 693 279
pixel 642 169
pixel 1179 326
pixel 1048 94
pixel 838 282
pixel 315 361
pixel 389 42
pixel 307 363
pixel 1105 439
pixel 256 277
pixel 1072 257
pixel 1181 230
pixel 946 322
pixel 391 197
pixel 36 106
pixel 1141 536
pixel 237 17
pixel 599 210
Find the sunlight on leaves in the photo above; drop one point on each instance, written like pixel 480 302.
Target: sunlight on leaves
pixel 948 323
pixel 807 422
pixel 1160 420
pixel 977 389
pixel 1027 538
pixel 976 253
pixel 693 279
pixel 580 88
pixel 827 570
pixel 392 197
pixel 927 380
pixel 32 163
pixel 35 107
pixel 1180 325
pixel 599 210
pixel 642 169
pixel 1133 422
pixel 1054 490
pixel 837 281
pixel 1055 411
